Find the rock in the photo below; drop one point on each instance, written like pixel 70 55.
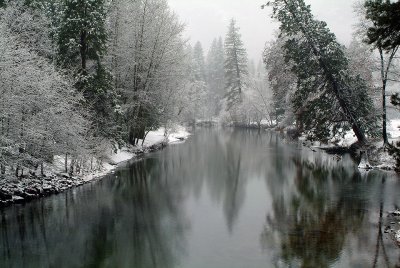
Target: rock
pixel 395 213
pixel 364 164
pixel 4 195
pixel 17 199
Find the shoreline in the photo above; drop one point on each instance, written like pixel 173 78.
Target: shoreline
pixel 30 187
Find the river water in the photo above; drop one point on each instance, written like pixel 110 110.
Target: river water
pixel 237 199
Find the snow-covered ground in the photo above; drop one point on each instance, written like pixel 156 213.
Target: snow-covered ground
pixel 393 129
pixel 153 138
pixel 13 190
pixel 379 157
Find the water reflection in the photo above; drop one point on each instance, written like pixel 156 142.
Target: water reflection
pixel 223 199
pixel 326 210
pixel 131 222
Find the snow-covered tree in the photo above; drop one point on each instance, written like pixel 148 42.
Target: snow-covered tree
pixel 373 29
pixel 40 113
pixel 146 54
pixel 363 63
pixel 329 99
pixel 199 67
pixel 81 40
pixel 236 68
pixel 215 67
pixel 82 34
pixel 282 81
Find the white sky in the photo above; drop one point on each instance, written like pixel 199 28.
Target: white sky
pixel 207 19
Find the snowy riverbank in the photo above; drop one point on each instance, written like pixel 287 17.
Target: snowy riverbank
pixel 20 190
pixel 378 156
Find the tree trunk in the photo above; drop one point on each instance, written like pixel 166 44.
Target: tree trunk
pixel 358 131
pixel 83 50
pixel 66 163
pixel 384 131
pixel 145 135
pixel 71 166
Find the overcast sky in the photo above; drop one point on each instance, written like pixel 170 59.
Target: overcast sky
pixel 207 19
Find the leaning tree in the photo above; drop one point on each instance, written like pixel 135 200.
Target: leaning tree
pixel 328 100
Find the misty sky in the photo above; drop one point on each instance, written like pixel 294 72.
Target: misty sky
pixel 206 19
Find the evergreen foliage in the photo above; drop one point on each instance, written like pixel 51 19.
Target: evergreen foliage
pixel 199 63
pixel 236 68
pixel 81 40
pixel 281 79
pixel 216 73
pixel 81 35
pixel 59 96
pixel 385 16
pixel 40 114
pixel 329 100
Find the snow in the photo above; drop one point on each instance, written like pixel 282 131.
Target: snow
pixel 380 157
pixel 176 135
pixel 364 164
pixel 349 139
pixel 120 156
pixel 55 181
pixel 393 128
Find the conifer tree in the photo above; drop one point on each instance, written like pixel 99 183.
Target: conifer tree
pixel 216 73
pixel 385 16
pixel 281 80
pixel 82 34
pixel 328 100
pixel 199 62
pixel 81 40
pixel 235 66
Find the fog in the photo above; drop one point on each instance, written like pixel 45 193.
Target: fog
pixel 207 19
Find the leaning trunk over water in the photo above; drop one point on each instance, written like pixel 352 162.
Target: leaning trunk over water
pixel 296 19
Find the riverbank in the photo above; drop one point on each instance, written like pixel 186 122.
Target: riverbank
pixel 377 156
pixel 26 188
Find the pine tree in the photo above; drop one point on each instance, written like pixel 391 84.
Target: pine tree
pixel 235 66
pixel 216 73
pixel 282 81
pixel 81 40
pixel 386 27
pixel 328 99
pixel 199 62
pixel 82 35
pixel 220 66
pixel 383 34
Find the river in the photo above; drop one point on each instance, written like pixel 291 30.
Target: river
pixel 225 198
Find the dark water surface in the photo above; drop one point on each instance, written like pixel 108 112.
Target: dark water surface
pixel 236 199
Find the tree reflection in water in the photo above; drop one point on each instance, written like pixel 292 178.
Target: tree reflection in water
pixel 135 224
pixel 202 204
pixel 311 221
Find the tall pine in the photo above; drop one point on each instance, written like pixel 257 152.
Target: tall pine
pixel 81 44
pixel 235 66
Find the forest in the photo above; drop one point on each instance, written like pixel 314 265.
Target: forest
pixel 194 153
pixel 83 78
